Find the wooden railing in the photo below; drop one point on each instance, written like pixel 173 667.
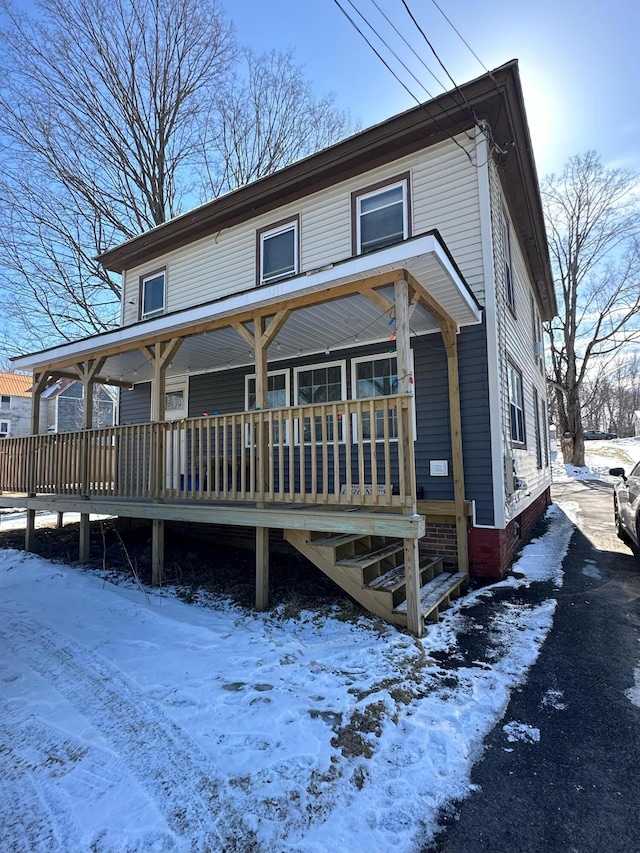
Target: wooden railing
pixel 319 454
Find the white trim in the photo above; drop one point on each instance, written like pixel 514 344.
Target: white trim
pixel 287 389
pixel 379 191
pixel 158 311
pixel 408 255
pixel 292 225
pixel 493 359
pixel 378 357
pixel 285 372
pixel 342 364
pixel 176 383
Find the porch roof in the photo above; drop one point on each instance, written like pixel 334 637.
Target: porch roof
pixel 325 314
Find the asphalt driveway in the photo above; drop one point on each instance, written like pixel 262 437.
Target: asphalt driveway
pixel 564 775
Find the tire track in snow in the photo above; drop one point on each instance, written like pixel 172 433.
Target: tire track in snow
pixel 172 770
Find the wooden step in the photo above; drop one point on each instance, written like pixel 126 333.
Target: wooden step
pixel 395 579
pixel 436 591
pixel 334 540
pixel 362 561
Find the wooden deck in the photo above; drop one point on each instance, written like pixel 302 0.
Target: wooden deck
pixel 311 471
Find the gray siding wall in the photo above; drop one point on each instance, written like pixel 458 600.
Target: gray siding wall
pixel 135 405
pixel 224 392
pixel 18 413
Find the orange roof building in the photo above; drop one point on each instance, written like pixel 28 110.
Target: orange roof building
pixel 15 384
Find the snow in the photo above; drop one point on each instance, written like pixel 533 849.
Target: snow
pixel 133 721
pixel 633 693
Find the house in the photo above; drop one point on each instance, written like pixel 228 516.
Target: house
pixel 15 404
pixel 348 350
pixel 63 403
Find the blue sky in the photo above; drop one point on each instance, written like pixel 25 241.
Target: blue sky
pixel 579 61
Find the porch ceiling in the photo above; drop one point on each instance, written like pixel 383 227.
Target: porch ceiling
pixel 328 323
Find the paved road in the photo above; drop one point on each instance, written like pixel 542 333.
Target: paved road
pixel 577 789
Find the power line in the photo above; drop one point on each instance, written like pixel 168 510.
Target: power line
pixel 409 45
pixel 442 65
pixel 401 82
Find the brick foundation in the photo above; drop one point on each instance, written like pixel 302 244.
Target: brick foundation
pixel 491 551
pixel 440 540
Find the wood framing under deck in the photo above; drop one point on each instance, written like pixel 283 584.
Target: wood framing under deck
pixel 300 525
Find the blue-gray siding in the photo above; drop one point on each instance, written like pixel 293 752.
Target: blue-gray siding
pixel 223 393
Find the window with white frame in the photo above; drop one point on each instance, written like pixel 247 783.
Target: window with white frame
pixel 516 405
pixel 381 215
pixel 320 383
pixel 538 427
pixel 278 251
pixel 5 428
pixel 152 295
pixel 5 400
pixel 508 269
pixel 277 398
pixel 375 376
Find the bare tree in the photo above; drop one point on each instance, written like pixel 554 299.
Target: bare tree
pixel 593 222
pixel 113 117
pixel 265 120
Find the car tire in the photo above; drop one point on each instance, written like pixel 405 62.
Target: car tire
pixel 621 533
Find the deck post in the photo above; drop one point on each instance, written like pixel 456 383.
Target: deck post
pixel 85 538
pixel 30 532
pixel 60 520
pixel 262 466
pixel 415 621
pixel 262 568
pixel 449 336
pixel 39 383
pixel 157 552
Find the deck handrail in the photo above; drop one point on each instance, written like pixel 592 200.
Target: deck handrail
pixel 318 453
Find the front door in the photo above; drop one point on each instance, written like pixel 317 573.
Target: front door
pixel 176 410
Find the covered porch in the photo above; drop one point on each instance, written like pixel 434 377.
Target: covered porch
pixel 343 469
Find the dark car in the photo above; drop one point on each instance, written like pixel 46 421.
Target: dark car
pixel 592 434
pixel 626 505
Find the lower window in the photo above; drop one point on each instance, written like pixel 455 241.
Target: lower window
pixel 320 384
pixel 516 406
pixel 376 376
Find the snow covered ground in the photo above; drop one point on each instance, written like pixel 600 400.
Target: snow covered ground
pixel 132 721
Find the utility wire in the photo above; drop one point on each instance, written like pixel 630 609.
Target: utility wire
pixel 418 57
pixel 404 86
pixel 409 45
pixel 391 50
pixel 442 65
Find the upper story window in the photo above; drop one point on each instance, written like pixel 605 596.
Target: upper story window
pixel 278 251
pixel 381 215
pixel 508 269
pixel 516 405
pixel 5 400
pixel 152 294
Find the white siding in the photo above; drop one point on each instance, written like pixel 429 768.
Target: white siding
pixel 515 336
pixel 444 188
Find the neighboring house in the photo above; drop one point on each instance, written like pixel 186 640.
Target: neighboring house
pixel 64 406
pixel 361 331
pixel 15 404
